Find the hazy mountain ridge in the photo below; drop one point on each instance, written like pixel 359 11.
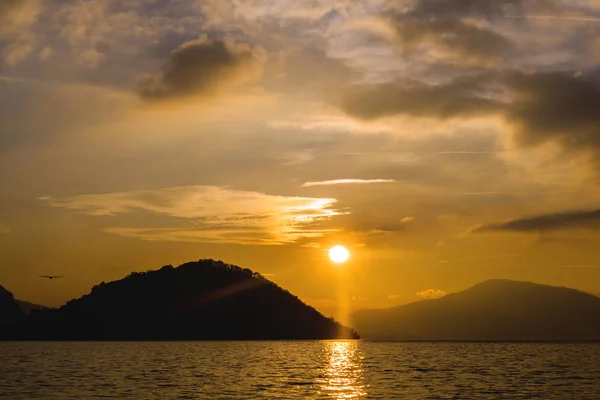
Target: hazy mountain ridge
pixel 27 307
pixel 204 300
pixel 492 310
pixel 8 309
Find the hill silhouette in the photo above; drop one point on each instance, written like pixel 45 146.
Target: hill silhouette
pixel 204 300
pixel 28 307
pixel 10 312
pixel 492 310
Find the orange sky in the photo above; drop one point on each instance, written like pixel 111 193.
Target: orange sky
pixel 442 143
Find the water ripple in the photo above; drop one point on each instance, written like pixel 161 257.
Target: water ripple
pixel 302 369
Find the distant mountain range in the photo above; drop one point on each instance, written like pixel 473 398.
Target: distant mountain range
pixel 492 310
pixel 204 300
pixel 211 300
pixel 13 310
pixel 28 307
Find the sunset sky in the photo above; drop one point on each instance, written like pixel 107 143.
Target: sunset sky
pixel 443 142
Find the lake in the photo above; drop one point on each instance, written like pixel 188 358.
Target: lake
pixel 303 370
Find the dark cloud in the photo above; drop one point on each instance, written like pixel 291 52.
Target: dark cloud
pixel 461 98
pixel 172 9
pixel 461 8
pixel 540 108
pixel 200 67
pixel 463 28
pixel 550 222
pixel 465 41
pixel 555 107
pixel 489 9
pixel 466 32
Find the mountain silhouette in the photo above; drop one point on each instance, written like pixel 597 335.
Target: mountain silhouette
pixel 28 307
pixel 10 312
pixel 492 310
pixel 204 300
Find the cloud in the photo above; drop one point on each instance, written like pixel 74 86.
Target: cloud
pixel 226 235
pixel 549 222
pixel 329 123
pixel 203 67
pixel 538 108
pixel 284 12
pixel 462 42
pixel 16 53
pixel 7 7
pixel 555 107
pixel 555 18
pixel 16 37
pixel 348 182
pixel 407 220
pixel 430 294
pixel 216 214
pixel 459 32
pixel 464 8
pixel 312 245
pixel 468 153
pixel 4 229
pixel 17 13
pixel 463 97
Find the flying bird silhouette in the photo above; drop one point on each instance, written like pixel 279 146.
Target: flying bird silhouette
pixel 51 276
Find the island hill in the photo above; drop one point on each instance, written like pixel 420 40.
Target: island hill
pixel 204 300
pixel 493 310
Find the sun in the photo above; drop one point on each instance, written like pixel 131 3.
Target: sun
pixel 339 254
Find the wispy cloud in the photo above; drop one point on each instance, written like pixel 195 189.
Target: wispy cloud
pixel 489 257
pixel 312 245
pixel 256 236
pixel 554 17
pixel 218 214
pixel 478 194
pixel 329 123
pixel 548 222
pixel 348 182
pixel 431 294
pixel 467 152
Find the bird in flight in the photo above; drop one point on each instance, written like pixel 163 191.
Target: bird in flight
pixel 51 276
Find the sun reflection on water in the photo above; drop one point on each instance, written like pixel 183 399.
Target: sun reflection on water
pixel 343 376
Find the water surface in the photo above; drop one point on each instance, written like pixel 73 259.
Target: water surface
pixel 303 370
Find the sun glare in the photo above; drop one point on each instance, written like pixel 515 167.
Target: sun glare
pixel 339 254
